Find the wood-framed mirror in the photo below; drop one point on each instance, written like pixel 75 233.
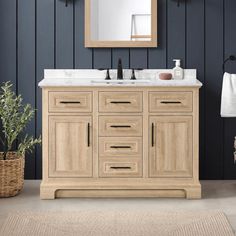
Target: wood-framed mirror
pixel 120 23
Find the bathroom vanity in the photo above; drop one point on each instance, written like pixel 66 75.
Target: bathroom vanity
pixel 119 139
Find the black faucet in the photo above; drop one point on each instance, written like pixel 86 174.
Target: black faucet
pixel 120 70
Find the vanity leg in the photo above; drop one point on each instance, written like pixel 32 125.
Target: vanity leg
pixel 47 193
pixel 193 193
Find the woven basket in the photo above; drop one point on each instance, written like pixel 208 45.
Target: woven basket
pixel 11 174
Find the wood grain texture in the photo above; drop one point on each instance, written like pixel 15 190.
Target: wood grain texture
pixel 124 153
pixel 171 151
pixel 120 168
pixel 121 126
pixel 69 151
pixel 91 43
pixel 123 147
pixel 120 102
pixel 170 102
pixel 70 102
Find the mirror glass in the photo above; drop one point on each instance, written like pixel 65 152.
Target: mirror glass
pixel 115 20
pixel 121 20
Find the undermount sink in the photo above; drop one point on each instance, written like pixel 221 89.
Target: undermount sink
pixel 120 81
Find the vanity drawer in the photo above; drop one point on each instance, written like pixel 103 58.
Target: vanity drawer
pixel 122 126
pixel 120 102
pixel 70 101
pixel 118 168
pixel 170 102
pixel 120 147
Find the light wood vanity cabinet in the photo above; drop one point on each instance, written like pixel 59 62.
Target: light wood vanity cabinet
pixel 171 153
pixel 70 148
pixel 120 141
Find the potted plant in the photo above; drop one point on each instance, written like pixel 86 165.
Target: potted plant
pixel 14 117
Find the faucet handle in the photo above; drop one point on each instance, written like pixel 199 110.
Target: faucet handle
pixel 133 75
pixel 108 75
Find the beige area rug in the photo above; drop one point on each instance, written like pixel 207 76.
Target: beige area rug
pixel 117 223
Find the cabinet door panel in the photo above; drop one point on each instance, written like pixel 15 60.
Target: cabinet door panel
pixel 70 150
pixel 170 152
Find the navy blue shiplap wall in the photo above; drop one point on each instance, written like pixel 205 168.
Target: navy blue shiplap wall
pixel 39 34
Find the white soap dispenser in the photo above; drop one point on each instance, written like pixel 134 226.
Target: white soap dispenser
pixel 178 72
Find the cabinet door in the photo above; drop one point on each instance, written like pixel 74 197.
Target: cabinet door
pixel 170 153
pixel 70 148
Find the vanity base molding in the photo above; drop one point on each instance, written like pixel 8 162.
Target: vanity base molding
pixel 67 191
pixel 121 141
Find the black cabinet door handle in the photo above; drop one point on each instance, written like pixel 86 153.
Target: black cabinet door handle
pixel 153 134
pixel 120 147
pixel 120 126
pixel 120 102
pixel 70 102
pixel 171 102
pixel 120 167
pixel 88 136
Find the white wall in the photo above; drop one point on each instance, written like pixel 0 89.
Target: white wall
pixel 114 17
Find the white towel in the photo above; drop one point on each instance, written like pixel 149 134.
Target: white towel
pixel 228 97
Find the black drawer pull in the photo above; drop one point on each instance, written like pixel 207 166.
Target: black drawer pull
pixel 120 146
pixel 120 102
pixel 152 135
pixel 70 102
pixel 120 126
pixel 121 167
pixel 171 102
pixel 88 135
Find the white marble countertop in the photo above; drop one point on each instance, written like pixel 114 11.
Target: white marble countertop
pixel 95 78
pixel 78 83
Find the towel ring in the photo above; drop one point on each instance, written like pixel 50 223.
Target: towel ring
pixel 230 58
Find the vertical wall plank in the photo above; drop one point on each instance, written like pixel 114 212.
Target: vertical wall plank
pixel 102 58
pixel 8 41
pixel 213 84
pixel 44 60
pixel 229 123
pixel 139 58
pixel 64 35
pixel 83 56
pixel 157 56
pixel 8 27
pixel 195 58
pixel 121 53
pixel 176 32
pixel 26 67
